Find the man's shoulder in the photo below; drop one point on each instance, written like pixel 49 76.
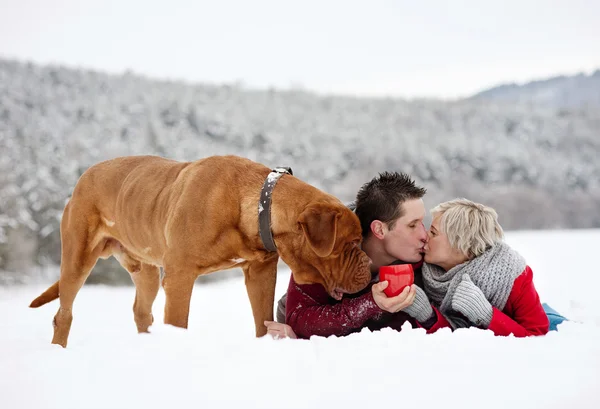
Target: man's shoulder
pixel 318 293
pixel 315 291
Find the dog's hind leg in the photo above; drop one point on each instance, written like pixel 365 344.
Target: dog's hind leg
pixel 147 283
pixel 80 250
pixel 146 278
pixel 260 278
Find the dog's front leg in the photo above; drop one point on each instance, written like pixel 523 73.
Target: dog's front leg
pixel 260 278
pixel 178 284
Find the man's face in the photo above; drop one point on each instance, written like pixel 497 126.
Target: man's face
pixel 406 240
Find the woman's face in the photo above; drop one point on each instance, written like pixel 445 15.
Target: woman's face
pixel 438 250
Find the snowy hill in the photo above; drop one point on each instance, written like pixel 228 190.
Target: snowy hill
pixel 537 165
pixel 564 92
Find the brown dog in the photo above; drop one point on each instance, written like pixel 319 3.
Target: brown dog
pixel 194 218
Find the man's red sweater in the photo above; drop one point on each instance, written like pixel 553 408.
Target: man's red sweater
pixel 311 311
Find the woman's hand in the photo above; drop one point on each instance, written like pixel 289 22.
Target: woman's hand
pixel 420 309
pixel 470 301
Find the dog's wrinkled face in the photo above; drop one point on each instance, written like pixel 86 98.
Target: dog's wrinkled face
pixel 327 250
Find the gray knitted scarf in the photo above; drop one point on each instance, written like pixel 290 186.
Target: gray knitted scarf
pixel 494 272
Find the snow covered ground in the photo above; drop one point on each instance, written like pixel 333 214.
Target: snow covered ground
pixel 218 362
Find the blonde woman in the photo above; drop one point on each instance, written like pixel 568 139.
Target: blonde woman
pixel 472 278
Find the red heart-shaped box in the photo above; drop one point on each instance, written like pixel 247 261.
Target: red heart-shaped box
pixel 398 277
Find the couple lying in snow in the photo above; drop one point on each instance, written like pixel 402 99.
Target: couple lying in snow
pixel 465 275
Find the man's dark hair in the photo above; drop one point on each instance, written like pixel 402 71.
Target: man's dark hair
pixel 383 197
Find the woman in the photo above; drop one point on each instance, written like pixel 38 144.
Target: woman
pixel 472 278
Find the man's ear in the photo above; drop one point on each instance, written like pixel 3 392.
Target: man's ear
pixel 378 228
pixel 319 224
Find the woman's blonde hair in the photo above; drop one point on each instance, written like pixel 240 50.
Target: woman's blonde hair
pixel 471 227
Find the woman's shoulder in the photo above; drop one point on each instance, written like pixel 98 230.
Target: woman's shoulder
pixel 527 273
pixel 522 284
pixel 525 277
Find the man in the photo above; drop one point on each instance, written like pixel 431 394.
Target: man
pixel 391 213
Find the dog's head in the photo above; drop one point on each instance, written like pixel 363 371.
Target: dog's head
pixel 326 250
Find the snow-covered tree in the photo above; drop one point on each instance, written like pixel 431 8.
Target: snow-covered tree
pixel 534 161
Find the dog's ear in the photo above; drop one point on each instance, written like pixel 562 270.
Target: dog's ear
pixel 319 224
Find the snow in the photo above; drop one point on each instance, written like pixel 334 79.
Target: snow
pixel 218 362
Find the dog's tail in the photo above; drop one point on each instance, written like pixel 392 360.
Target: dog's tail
pixel 50 294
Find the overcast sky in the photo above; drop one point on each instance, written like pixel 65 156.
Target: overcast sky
pixel 402 48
